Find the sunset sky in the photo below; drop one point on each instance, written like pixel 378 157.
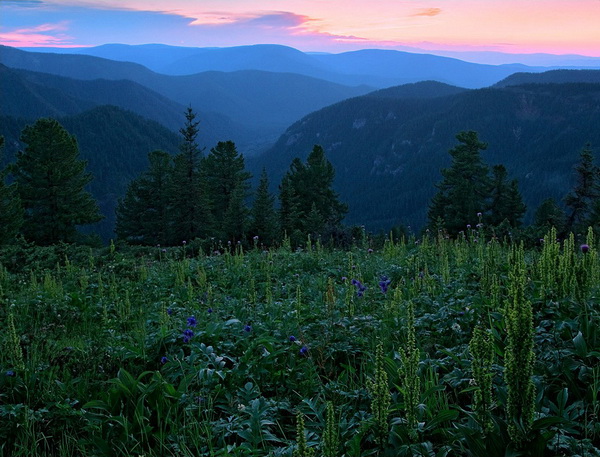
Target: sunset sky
pixel 513 26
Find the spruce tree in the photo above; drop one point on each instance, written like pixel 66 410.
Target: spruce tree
pixel 290 215
pixel 580 201
pixel 307 189
pixel 235 219
pixel 465 187
pixel 189 200
pixel 506 201
pixel 263 218
pixel 11 212
pixel 143 216
pixel 51 181
pixel 227 183
pixel 547 216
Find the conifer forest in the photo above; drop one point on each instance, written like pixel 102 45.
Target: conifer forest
pixel 227 316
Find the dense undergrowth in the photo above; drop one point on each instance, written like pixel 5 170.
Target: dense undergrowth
pixel 429 347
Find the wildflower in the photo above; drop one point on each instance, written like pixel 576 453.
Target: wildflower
pixel 370 251
pixel 255 237
pixel 209 310
pixel 479 214
pixel 292 338
pixel 163 360
pixel 191 321
pixel 187 335
pixel 456 327
pixel 10 373
pixel 247 328
pixel 303 350
pixel 469 226
pixel 169 311
pixel 384 284
pixel 360 288
pixel 344 279
pixel 584 248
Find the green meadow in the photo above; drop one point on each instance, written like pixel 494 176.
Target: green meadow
pixel 413 347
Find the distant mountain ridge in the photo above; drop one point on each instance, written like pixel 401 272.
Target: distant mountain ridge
pixel 258 104
pixel 374 67
pixel 551 77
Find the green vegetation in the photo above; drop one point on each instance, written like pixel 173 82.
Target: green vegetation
pixel 388 147
pixel 429 346
pixel 51 183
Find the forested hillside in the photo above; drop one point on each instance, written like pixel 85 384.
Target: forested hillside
pixel 114 142
pixel 388 150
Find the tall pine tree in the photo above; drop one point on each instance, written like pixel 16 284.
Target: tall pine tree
pixel 307 190
pixel 290 215
pixel 11 212
pixel 465 187
pixel 51 182
pixel 585 194
pixel 189 198
pixel 144 215
pixel 506 203
pixel 263 218
pixel 227 183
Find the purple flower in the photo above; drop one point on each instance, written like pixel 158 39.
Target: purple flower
pixel 163 360
pixel 468 226
pixel 478 214
pixel 292 338
pixel 384 284
pixel 344 279
pixel 360 288
pixel 584 248
pixel 209 310
pixel 10 373
pixel 184 242
pixel 370 251
pixel 247 328
pixel 187 335
pixel 169 311
pixel 303 350
pixel 191 321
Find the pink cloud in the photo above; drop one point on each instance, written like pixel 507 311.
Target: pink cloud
pixel 428 12
pixel 40 35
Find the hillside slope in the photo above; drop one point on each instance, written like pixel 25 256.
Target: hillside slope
pixel 388 152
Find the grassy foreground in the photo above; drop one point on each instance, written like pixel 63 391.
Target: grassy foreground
pixel 429 347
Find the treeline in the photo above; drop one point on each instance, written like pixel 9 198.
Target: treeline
pixel 193 196
pixel 469 196
pixel 177 199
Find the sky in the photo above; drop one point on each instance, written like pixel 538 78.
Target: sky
pixel 509 26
